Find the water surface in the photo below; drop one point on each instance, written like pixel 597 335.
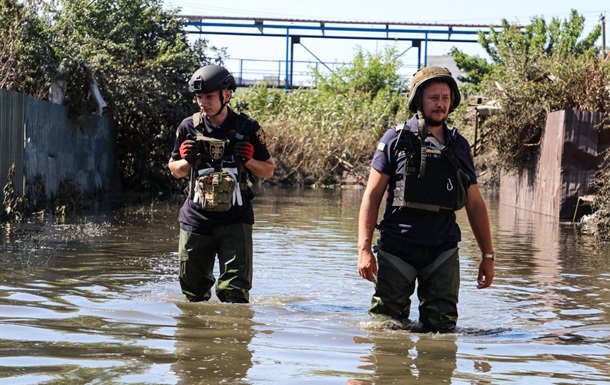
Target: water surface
pixel 96 300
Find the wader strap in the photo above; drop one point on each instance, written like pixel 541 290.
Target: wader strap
pixel 192 183
pixel 399 189
pixel 406 270
pixel 409 272
pixel 442 258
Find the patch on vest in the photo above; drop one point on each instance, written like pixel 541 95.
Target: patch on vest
pixel 381 146
pixel 217 149
pixel 260 134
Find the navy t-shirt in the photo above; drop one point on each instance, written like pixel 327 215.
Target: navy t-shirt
pixel 418 226
pixel 192 217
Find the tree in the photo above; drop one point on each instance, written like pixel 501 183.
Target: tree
pixel 522 50
pixel 24 49
pixel 535 70
pixel 367 73
pixel 134 50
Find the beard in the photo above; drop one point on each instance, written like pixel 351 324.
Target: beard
pixel 434 122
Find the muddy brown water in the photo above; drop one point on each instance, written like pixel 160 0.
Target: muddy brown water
pixel 96 301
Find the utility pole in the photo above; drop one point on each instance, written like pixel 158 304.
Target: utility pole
pixel 602 18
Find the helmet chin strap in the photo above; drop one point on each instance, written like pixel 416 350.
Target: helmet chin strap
pixel 222 103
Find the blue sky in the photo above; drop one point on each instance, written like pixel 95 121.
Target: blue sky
pixel 329 51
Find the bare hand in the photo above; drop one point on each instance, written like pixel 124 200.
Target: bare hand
pixel 367 266
pixel 486 273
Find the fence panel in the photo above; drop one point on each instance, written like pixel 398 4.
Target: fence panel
pixel 41 138
pixel 12 123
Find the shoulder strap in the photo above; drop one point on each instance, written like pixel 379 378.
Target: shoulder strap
pixel 197 119
pixel 445 152
pixel 402 143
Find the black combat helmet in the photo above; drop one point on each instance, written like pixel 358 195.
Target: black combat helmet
pixel 211 78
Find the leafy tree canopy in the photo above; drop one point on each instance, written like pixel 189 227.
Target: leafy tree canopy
pixel 368 72
pixel 535 70
pixel 136 52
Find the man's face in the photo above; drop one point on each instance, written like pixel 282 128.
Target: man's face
pixel 210 103
pixel 436 102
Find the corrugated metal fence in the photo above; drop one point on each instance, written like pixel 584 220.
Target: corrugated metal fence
pixel 41 139
pixel 12 126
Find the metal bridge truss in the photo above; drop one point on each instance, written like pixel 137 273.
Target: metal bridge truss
pixel 296 30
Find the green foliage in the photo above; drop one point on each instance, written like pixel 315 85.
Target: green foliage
pixel 535 70
pixel 25 47
pixel 134 50
pixel 140 58
pixel 315 135
pixel 524 52
pixel 475 67
pixel 368 73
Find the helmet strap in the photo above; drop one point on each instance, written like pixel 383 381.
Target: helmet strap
pixel 222 103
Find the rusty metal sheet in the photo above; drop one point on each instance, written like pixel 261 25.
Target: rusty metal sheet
pixel 568 160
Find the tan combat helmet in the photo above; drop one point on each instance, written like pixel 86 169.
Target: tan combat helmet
pixel 425 74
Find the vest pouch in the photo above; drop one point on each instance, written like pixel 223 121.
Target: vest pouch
pixel 463 183
pixel 216 191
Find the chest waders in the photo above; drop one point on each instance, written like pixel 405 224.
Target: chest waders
pixel 220 186
pixel 437 290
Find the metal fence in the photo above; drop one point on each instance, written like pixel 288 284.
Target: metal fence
pixel 42 139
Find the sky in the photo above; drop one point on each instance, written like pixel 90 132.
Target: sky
pixel 253 56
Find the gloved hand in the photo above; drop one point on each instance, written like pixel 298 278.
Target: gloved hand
pixel 244 150
pixel 188 150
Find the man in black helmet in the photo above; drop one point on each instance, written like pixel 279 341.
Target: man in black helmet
pixel 428 174
pixel 220 151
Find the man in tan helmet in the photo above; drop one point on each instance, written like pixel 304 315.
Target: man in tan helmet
pixel 428 173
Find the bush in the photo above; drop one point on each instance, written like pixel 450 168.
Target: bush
pixel 315 136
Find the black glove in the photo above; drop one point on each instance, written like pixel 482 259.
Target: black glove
pixel 188 150
pixel 244 150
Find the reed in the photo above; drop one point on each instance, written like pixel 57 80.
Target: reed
pixel 317 136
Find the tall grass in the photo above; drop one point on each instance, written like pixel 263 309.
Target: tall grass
pixel 316 136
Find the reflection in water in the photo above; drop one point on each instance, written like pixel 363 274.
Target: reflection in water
pixel 212 343
pixel 97 301
pixel 405 358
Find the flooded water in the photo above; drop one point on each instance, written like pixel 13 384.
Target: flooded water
pixel 97 301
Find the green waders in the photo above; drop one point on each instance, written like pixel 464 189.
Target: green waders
pixel 233 245
pixel 437 289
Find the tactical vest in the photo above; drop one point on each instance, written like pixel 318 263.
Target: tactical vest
pixel 220 179
pixel 438 188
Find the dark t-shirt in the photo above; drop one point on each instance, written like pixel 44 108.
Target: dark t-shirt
pixel 192 217
pixel 418 226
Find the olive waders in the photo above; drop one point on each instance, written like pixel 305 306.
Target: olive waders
pixel 437 289
pixel 233 245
